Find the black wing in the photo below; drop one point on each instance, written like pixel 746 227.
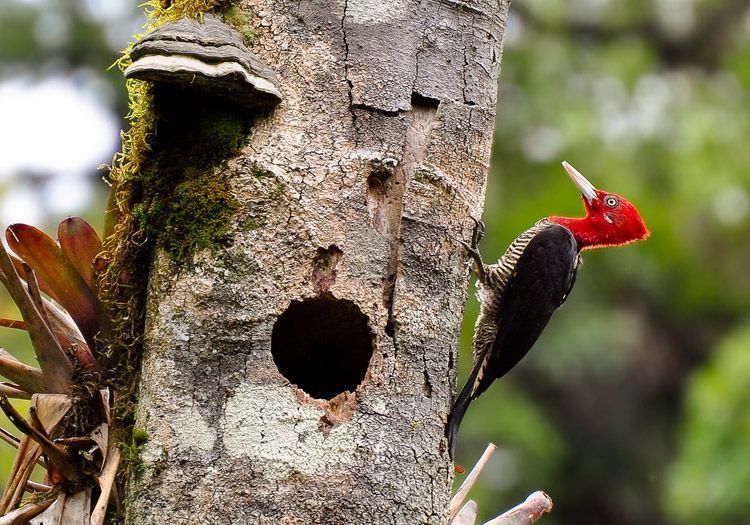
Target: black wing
pixel 539 284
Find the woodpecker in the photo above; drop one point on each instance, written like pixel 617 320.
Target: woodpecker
pixel 519 294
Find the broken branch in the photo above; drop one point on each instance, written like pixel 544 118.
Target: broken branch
pixel 463 490
pixel 527 512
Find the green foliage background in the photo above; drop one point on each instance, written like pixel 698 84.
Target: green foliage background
pixel 633 408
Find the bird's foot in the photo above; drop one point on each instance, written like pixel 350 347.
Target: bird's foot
pixel 477 234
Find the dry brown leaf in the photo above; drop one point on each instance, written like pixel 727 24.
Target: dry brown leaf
pixel 106 481
pixel 51 408
pixel 25 513
pixel 100 435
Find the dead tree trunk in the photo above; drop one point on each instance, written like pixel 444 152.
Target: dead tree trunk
pixel 303 373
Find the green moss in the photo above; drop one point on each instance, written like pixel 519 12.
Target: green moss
pixel 131 449
pixel 260 173
pixel 225 133
pixel 199 216
pixel 152 166
pixel 251 223
pixel 277 191
pixel 242 21
pixel 184 203
pixel 139 436
pixel 167 10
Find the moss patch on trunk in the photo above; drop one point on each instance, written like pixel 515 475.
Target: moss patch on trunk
pixel 183 200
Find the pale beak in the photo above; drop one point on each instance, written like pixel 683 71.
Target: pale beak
pixel 584 186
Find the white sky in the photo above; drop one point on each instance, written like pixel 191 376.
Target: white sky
pixel 59 125
pixel 54 127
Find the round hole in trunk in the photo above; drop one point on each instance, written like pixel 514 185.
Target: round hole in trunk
pixel 323 345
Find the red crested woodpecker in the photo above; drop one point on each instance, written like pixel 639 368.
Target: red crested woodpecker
pixel 519 294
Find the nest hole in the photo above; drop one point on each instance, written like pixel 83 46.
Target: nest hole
pixel 323 345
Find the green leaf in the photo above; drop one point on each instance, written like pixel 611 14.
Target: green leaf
pixel 80 244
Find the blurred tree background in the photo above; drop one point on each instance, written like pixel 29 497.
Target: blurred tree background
pixel 634 406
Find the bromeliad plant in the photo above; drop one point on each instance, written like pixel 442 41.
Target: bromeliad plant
pixel 68 329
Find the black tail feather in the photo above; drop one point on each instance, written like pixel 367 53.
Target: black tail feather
pixel 459 409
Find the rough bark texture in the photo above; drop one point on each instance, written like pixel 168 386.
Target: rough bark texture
pixel 356 188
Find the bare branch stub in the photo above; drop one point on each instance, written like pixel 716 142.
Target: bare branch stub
pixel 468 483
pixel 527 513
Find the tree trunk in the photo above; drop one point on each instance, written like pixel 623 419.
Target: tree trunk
pixel 303 373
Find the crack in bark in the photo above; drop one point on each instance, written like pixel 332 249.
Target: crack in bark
pixel 373 109
pixel 427 385
pixel 422 118
pixel 349 82
pixel 463 6
pixel 466 66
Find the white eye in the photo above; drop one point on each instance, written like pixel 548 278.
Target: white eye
pixel 611 201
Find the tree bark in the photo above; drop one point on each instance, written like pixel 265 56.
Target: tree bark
pixel 354 193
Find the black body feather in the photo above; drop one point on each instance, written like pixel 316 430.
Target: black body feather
pixel 522 291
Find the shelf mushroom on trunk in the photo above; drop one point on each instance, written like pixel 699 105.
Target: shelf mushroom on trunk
pixel 207 56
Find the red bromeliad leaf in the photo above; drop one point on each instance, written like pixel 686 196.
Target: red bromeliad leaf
pixel 66 335
pixel 86 358
pixel 80 244
pixel 43 286
pixel 54 362
pixel 47 260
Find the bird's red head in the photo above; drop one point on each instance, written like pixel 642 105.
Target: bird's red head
pixel 610 220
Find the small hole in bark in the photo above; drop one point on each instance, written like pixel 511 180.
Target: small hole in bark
pixel 419 99
pixel 427 385
pixel 383 195
pixel 324 268
pixel 322 345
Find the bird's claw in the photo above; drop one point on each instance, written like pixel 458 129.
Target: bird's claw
pixel 471 249
pixel 477 233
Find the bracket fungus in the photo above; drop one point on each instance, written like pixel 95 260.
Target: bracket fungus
pixel 208 56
